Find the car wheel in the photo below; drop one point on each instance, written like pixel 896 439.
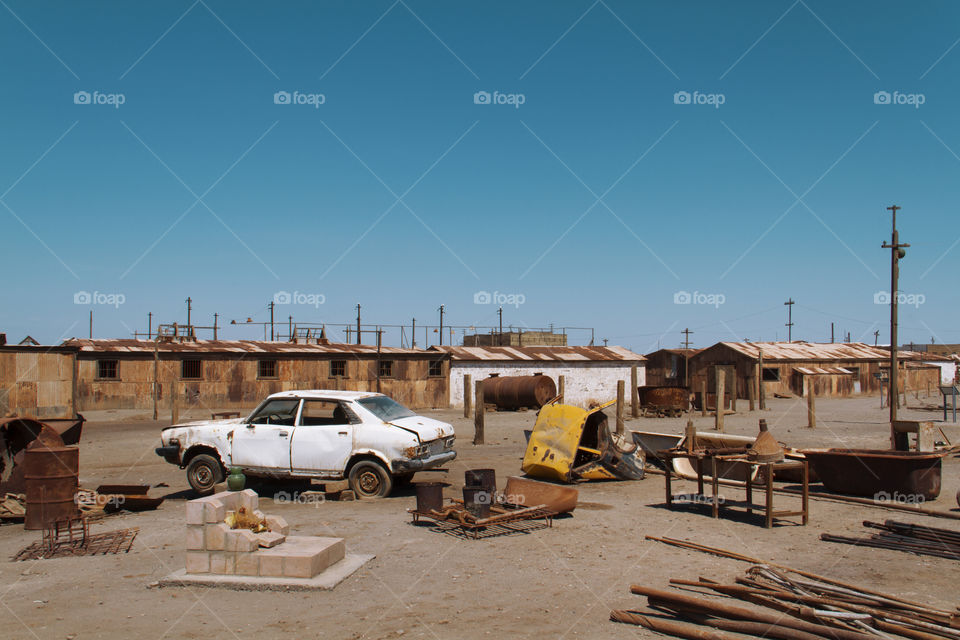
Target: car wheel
pixel 203 472
pixel 369 479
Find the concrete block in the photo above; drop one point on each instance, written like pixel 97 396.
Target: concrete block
pixel 347 496
pixel 271 566
pixel 248 564
pixel 198 562
pixel 335 486
pixel 249 499
pixel 230 499
pixel 215 536
pixel 303 556
pixel 260 515
pixel 214 511
pixel 278 525
pixel 195 541
pixel 223 563
pixel 195 509
pixel 240 540
pixel 269 539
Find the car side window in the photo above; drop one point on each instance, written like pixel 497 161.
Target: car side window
pixel 282 411
pixel 323 412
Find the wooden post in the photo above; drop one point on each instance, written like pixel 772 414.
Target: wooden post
pixel 721 379
pixel 752 392
pixel 811 403
pixel 478 415
pixel 156 381
pixel 703 395
pixel 733 389
pixel 635 393
pixel 174 404
pixel 620 386
pixel 75 369
pixel 690 441
pixel 763 393
pixel 560 386
pixel 467 395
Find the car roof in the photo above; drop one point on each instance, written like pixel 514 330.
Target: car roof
pixel 325 394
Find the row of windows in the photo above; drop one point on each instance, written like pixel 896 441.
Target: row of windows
pixel 192 369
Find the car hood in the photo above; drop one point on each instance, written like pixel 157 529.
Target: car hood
pixel 427 429
pixel 229 422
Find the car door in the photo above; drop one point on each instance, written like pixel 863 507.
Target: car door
pixel 323 440
pixel 263 443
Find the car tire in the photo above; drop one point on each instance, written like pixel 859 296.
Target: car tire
pixel 203 472
pixel 370 480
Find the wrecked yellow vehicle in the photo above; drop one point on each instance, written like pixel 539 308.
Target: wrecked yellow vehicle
pixel 571 444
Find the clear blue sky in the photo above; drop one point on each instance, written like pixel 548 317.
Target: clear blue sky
pixel 596 201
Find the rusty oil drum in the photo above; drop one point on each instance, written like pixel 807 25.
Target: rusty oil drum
pixel 518 392
pixel 51 479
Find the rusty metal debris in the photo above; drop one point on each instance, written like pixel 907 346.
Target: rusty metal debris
pixel 869 472
pixel 787 608
pixel 519 392
pixel 128 497
pixel 505 519
pixel 72 537
pixel 661 401
pixel 523 492
pixel 13 507
pixel 51 478
pixel 903 536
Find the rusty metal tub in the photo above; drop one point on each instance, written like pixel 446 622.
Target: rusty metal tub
pixel 878 473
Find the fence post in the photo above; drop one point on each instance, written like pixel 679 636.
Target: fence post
pixel 620 386
pixel 634 393
pixel 721 379
pixel 467 395
pixel 478 415
pixel 811 404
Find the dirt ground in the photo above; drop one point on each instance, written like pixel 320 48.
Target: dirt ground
pixel 559 582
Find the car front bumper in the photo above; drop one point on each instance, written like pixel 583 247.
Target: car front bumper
pixel 420 464
pixel 170 453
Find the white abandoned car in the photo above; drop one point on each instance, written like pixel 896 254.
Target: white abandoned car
pixel 368 438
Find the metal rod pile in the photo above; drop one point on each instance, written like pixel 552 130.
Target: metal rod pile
pixel 903 536
pixel 787 608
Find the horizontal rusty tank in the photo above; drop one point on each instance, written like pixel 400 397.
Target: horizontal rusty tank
pixel 518 392
pixel 51 475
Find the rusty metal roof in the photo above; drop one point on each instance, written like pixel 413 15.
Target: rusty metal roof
pixel 823 371
pixel 540 354
pixel 809 350
pixel 678 352
pixel 129 345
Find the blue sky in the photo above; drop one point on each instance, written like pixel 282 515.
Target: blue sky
pixel 617 186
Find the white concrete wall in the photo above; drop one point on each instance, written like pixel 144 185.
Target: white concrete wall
pixel 584 381
pixel 947 371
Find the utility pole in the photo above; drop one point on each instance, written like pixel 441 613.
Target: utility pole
pixel 413 335
pixel 831 333
pixel 604 342
pixel 441 325
pixel 215 317
pixel 272 304
pixel 897 251
pixel 686 338
pixel 358 323
pixel 91 324
pixel 150 325
pixel 500 336
pixel 189 309
pixel 789 304
pixel 876 337
pixel 290 327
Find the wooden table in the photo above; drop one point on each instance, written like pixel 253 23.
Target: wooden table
pixel 768 469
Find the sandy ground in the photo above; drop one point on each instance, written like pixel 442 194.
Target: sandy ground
pixel 559 582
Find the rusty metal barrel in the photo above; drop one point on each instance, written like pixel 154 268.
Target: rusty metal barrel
pixel 518 392
pixel 51 478
pixel 658 397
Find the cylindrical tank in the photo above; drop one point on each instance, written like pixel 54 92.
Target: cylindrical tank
pixel 51 480
pixel 518 392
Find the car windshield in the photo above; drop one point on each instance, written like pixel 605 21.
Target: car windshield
pixel 385 408
pixel 281 411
